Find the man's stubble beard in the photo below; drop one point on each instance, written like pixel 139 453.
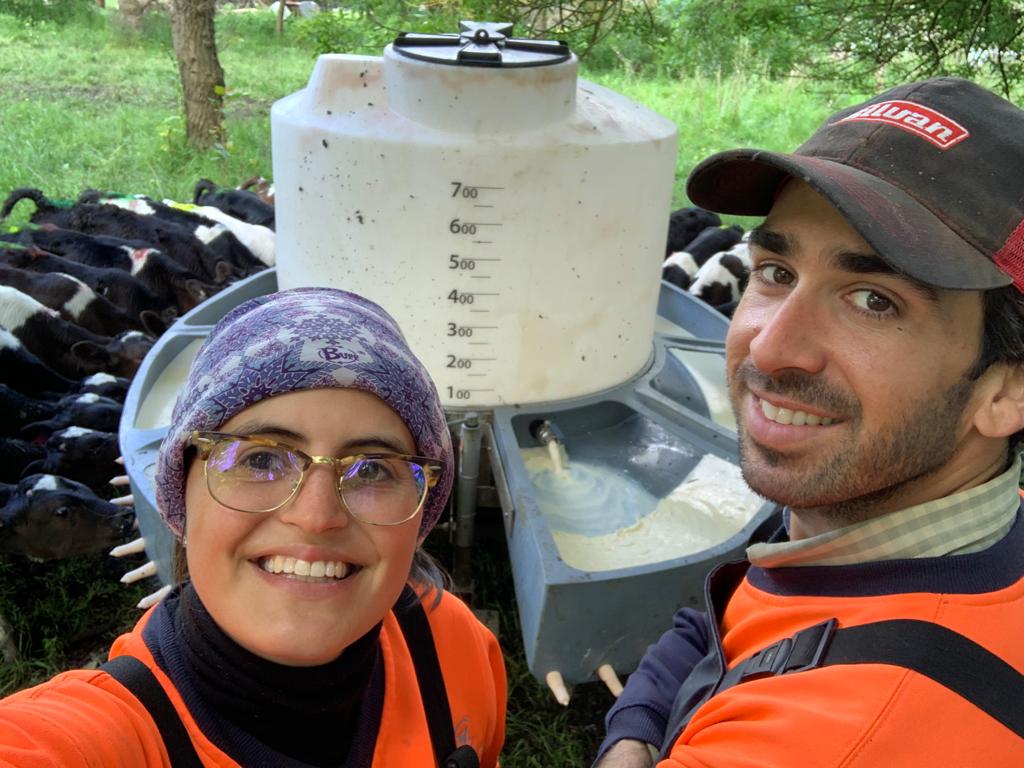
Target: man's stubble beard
pixel 845 487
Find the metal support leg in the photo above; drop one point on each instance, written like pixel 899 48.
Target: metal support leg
pixel 468 479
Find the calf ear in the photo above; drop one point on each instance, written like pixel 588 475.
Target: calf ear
pixel 37 467
pixel 92 355
pixel 196 291
pixel 203 187
pixel 38 431
pixel 152 323
pixel 222 270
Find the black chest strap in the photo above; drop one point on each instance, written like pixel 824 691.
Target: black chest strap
pixel 412 619
pixel 947 657
pixel 137 678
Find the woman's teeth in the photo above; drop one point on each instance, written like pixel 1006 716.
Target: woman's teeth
pixel 293 566
pixel 796 418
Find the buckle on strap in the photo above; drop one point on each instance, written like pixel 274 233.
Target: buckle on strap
pixel 804 650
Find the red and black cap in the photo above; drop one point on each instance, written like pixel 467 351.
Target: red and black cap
pixel 931 175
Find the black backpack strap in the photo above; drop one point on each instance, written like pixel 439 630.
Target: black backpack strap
pixel 947 657
pixel 137 678
pixel 412 619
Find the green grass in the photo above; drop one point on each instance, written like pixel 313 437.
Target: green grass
pixel 717 114
pixel 63 614
pixel 89 106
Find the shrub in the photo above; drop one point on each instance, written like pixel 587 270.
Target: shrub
pixel 59 11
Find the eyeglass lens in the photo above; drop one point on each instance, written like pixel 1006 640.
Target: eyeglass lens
pixel 255 477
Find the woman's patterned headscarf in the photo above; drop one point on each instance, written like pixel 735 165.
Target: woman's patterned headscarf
pixel 305 338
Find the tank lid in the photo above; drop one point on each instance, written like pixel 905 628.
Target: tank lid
pixel 481 44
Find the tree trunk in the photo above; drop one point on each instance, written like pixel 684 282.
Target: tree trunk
pixel 202 78
pixel 280 17
pixel 131 13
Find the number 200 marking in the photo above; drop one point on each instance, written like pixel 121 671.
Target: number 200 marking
pixel 458 362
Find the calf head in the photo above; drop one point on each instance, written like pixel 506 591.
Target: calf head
pixel 121 356
pixel 104 385
pixel 50 517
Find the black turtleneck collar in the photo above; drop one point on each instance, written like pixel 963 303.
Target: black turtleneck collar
pixel 310 714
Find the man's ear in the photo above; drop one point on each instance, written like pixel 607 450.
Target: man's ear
pixel 1001 411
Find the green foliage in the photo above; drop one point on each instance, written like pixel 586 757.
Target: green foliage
pixel 87 106
pixel 913 40
pixel 859 44
pixel 366 26
pixel 58 11
pixel 719 112
pixel 731 36
pixel 343 31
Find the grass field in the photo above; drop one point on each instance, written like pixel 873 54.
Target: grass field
pixel 88 106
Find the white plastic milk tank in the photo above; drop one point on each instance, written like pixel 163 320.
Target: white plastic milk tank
pixel 511 218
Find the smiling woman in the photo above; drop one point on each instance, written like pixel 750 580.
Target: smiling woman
pixel 307 458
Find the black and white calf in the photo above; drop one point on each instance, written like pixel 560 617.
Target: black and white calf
pixel 81 454
pixel 260 240
pixel 87 410
pixel 15 455
pixel 69 349
pixel 115 285
pixel 685 224
pixel 161 224
pixel 104 385
pixel 172 284
pixel 240 203
pixel 18 409
pixel 723 278
pixel 193 242
pixel 25 372
pixel 680 268
pixel 45 517
pixel 78 303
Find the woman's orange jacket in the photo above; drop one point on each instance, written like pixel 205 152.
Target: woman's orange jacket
pixel 86 718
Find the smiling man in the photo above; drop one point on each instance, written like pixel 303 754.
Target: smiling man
pixel 876 368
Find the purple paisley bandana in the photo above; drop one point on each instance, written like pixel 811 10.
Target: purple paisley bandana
pixel 306 338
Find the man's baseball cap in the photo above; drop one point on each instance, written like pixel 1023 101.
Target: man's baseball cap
pixel 931 175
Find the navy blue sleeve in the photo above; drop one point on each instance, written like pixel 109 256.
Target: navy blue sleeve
pixel 641 711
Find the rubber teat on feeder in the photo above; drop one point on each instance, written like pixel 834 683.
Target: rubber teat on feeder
pixel 144 571
pixel 131 548
pixel 154 597
pixel 608 676
pixel 557 686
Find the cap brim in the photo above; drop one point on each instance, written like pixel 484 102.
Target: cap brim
pixel 903 232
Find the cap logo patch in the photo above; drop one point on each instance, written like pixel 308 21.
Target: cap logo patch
pixel 913 118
